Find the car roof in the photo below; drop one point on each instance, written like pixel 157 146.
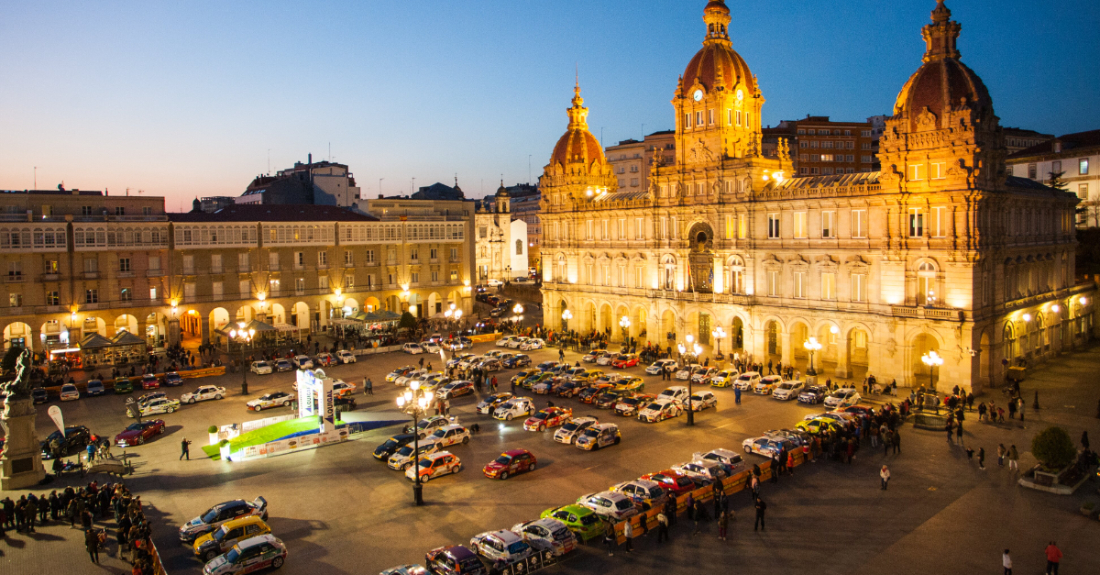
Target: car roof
pixel 515 452
pixel 751 374
pixel 505 535
pixel 265 538
pixel 604 426
pixel 437 454
pixel 450 427
pixel 241 521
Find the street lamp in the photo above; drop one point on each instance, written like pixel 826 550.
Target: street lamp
pixel 625 324
pixel 812 345
pixel 719 334
pixel 932 360
pixel 684 350
pixel 415 402
pixel 565 317
pixel 243 337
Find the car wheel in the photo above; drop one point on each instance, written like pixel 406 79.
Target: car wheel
pixel 209 556
pixel 286 404
pixel 259 408
pixel 595 447
pixel 508 417
pixel 425 478
pixel 531 468
pixel 276 562
pixel 141 440
pixel 748 450
pixel 219 397
pixel 503 475
pixel 617 440
pixel 170 410
pixel 465 440
pixel 542 428
pixel 191 401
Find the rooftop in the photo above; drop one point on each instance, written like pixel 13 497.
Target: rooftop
pixel 1069 144
pixel 274 213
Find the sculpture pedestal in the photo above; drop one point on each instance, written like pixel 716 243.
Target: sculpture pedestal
pixel 21 465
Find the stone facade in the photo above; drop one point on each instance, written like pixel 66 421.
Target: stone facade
pixel 941 251
pixel 501 243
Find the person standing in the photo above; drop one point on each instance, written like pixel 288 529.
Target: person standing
pixel 1001 452
pixel 981 458
pixel 1013 459
pixel 628 532
pixel 761 507
pixel 1006 562
pixel 895 440
pixel 959 432
pixel 662 527
pixel 185 449
pixel 1085 439
pixel 368 386
pixel 609 539
pixel 723 523
pixel 1054 557
pixel 91 542
pixel 950 432
pixel 884 473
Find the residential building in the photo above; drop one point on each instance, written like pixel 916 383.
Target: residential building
pixel 1076 157
pixel 631 159
pixel 323 183
pixel 823 147
pixel 1019 139
pixel 936 255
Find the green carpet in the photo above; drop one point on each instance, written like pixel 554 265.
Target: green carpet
pixel 265 434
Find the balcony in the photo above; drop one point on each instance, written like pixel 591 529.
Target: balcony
pixel 188 271
pixel 91 275
pixel 915 312
pixel 154 273
pixel 15 277
pixel 272 267
pixel 323 266
pixel 51 277
pixel 217 270
pixel 124 273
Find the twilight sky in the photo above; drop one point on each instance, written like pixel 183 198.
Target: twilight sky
pixel 186 99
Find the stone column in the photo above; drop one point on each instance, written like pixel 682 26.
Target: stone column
pixel 843 370
pixel 173 336
pixel 785 342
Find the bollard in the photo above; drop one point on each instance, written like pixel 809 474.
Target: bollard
pixel 1035 405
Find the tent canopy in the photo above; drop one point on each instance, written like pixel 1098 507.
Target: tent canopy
pixel 95 341
pixel 255 324
pixel 126 338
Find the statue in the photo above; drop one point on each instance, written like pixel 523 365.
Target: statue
pixel 21 463
pixel 20 387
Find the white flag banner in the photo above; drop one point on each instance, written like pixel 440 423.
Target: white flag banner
pixel 58 419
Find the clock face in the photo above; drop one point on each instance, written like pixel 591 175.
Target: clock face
pixel 698 95
pixel 740 95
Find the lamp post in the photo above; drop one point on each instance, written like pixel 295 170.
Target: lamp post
pixel 243 337
pixel 932 360
pixel 415 402
pixel 812 345
pixel 516 317
pixel 565 317
pixel 694 350
pixel 625 324
pixel 719 334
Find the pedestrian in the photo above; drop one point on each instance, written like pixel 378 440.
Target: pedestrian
pixel 1006 562
pixel 368 386
pixel 981 458
pixel 91 542
pixel 1013 457
pixel 691 507
pixel 761 507
pixel 895 440
pixel 959 432
pixel 774 467
pixel 1054 556
pixel 628 532
pixel 950 432
pixel 91 452
pixel 185 449
pixel 723 523
pixel 884 473
pixel 662 527
pixel 1001 452
pixel 609 539
pixel 421 363
pixel 1085 439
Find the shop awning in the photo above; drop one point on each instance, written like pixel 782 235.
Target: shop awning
pixel 126 338
pixel 95 341
pixel 285 327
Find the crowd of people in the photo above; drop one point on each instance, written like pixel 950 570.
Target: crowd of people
pixel 83 507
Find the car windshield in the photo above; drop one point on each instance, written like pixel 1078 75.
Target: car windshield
pixel 786 385
pixel 233 555
pixel 591 432
pixel 589 519
pixel 517 547
pixel 654 406
pixel 405 451
pixel 696 397
pixel 440 434
pixel 268 397
pixel 623 504
pixel 221 533
pixel 503 460
pixel 210 516
pixel 425 463
pixel 389 444
pixel 133 427
pixel 570 426
pixel 541 415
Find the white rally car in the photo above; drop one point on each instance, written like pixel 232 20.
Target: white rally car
pixel 345 356
pixel 701 400
pixel 412 348
pixel 660 366
pixel 273 399
pixel 159 405
pixel 676 392
pixel 660 409
pixel 610 504
pixel 451 435
pixel 501 546
pixel 550 531
pixel 515 407
pixel 203 393
pixel 842 398
pixel 532 344
pixel 788 390
pixel 573 428
pixel 261 367
pixel 746 381
pixel 403 458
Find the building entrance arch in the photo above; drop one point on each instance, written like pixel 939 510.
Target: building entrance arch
pixel 18 334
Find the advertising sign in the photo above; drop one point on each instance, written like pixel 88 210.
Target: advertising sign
pixel 58 419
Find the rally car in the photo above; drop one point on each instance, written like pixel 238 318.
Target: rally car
pixel 456 388
pixel 345 356
pixel 660 410
pixel 139 433
pixel 426 427
pixel 676 392
pixel 410 376
pixel 516 360
pixel 454 560
pixel 150 381
pixel 434 465
pixel 210 545
pixel 766 446
pixel 429 346
pixel 788 390
pixel 842 398
pixel 504 341
pixel 625 360
pixel 704 469
pixel 391 445
pixel 159 405
pixel 341 388
pixel 273 399
pixel 517 406
pixel 509 463
pixel 599 435
pixel 701 400
pixel 403 458
pixel 546 418
pixel 326 359
pixel 551 532
pixel 501 547
pixel 701 376
pixel 685 371
pixel 69 392
pixel 813 394
pixel 628 406
pixel 660 366
pixel 573 429
pixel 283 364
pixel 302 362
pixel 673 481
pixel 489 404
pixel 606 357
pixel 412 349
pixel 249 556
pixel 585 523
pixel 451 435
pixel 747 380
pixel 721 455
pixel 643 492
pixel 532 344
pixel 392 376
pixel 610 504
pixel 220 513
pixel 818 425
pixel 94 388
pixel 203 393
pixel 766 385
pixel 173 379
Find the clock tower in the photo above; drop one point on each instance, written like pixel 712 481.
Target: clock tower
pixel 717 99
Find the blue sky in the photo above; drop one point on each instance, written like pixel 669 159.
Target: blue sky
pixel 186 99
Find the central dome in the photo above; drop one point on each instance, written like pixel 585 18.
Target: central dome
pixel 717 64
pixel 577 145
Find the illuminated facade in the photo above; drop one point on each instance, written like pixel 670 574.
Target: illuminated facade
pixel 940 251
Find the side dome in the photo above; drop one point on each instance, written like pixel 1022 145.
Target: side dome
pixel 717 63
pixel 577 145
pixel 942 83
pixel 502 192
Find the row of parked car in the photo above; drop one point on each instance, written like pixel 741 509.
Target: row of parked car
pixel 265 367
pixel 233 537
pixel 120 386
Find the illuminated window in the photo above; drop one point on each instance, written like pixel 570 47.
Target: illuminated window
pixel 828 224
pixel 800 225
pixel 742 227
pixel 799 278
pixel 1083 167
pixel 916 223
pixel 773 283
pixel 828 286
pixel 939 170
pixel 916 172
pixel 939 222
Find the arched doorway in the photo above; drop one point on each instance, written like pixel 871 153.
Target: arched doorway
pixel 18 334
pixel 706 324
pixel 858 342
pixel 605 320
pixel 372 304
pixel 640 320
pixel 773 341
pixel 922 374
pixel 1008 343
pixel 800 357
pixel 435 305
pixel 701 261
pixel 737 334
pixel 351 305
pixel 219 318
pixel 300 315
pixel 156 329
pixel 93 324
pixel 126 322
pixel 278 315
pixel 54 334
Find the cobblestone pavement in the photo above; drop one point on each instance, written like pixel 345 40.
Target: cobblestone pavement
pixel 340 511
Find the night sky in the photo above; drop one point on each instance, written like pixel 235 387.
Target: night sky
pixel 189 99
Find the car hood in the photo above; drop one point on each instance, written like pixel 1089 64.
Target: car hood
pixel 128 434
pixel 215 564
pixel 493 466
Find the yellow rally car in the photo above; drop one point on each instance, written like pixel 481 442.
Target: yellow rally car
pixel 229 534
pixel 816 426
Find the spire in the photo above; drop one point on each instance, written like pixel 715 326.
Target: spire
pixel 941 35
pixel 717 17
pixel 578 114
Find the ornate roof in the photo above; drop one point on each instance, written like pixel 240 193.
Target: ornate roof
pixel 717 64
pixel 577 144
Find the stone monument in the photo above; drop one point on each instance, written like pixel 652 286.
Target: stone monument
pixel 21 464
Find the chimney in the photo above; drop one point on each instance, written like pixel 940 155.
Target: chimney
pixel 310 162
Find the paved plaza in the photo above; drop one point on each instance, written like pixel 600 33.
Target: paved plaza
pixel 341 511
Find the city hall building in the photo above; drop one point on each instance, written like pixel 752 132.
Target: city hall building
pixel 941 251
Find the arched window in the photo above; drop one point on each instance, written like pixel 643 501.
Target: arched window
pixel 926 284
pixel 1009 342
pixel 737 275
pixel 668 272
